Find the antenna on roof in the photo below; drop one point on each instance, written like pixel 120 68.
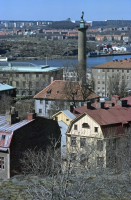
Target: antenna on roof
pixel 46 59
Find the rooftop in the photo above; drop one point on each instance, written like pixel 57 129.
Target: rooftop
pixel 69 114
pixel 40 68
pixel 4 86
pixel 108 115
pixel 63 90
pixel 7 131
pixel 116 64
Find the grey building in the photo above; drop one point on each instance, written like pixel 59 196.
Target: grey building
pixel 29 80
pixel 102 73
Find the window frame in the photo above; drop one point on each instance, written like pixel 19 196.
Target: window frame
pixel 2 163
pixel 75 126
pixel 73 141
pixel 40 110
pixel 85 125
pixel 96 129
pixel 82 142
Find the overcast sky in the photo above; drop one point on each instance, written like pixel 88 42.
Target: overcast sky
pixel 57 10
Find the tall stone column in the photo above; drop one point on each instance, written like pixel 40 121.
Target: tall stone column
pixel 82 50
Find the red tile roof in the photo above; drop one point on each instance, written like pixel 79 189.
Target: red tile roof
pixel 107 116
pixel 60 89
pixel 124 64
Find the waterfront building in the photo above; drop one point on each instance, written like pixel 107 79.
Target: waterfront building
pixel 102 73
pixel 29 80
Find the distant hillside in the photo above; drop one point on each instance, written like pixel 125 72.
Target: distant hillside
pixel 61 25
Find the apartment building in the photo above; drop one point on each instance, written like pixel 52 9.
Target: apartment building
pixel 59 95
pixel 29 80
pixel 100 133
pixel 102 73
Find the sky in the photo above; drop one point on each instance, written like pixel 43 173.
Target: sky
pixel 57 10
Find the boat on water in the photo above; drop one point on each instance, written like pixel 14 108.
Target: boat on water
pixel 3 59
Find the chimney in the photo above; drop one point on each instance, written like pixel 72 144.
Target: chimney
pixel 31 114
pixel 71 108
pixel 100 104
pixel 11 116
pixel 122 103
pixel 88 105
pixel 110 104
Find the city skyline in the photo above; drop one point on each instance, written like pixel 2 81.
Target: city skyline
pixel 48 10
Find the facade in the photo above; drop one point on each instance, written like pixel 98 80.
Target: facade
pixel 17 137
pixel 7 89
pixel 102 73
pixel 59 95
pixel 64 118
pixel 99 132
pixel 29 80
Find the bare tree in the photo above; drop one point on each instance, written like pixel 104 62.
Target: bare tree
pixel 80 177
pixel 5 103
pixel 115 88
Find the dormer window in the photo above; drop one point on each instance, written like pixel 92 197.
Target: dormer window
pixel 49 91
pixel 85 125
pixel 3 136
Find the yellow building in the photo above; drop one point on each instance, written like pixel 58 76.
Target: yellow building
pixel 84 142
pixel 66 116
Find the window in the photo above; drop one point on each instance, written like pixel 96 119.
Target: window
pixel 83 159
pixel 108 70
pixel 17 83
pixel 73 141
pixel 24 84
pixel 30 84
pixel 75 127
pixel 40 110
pixel 114 144
pixel 37 75
pixel 103 82
pixel 112 70
pixel 73 156
pixel 46 101
pixel 17 75
pixel 85 125
pixel 3 137
pixel 99 145
pixel 30 75
pixel 4 75
pixel 100 161
pixel 2 162
pixel 11 83
pixel 122 77
pixel 98 82
pixel 41 101
pixel 96 129
pixel 123 71
pixel 128 71
pixel 98 77
pixel 127 83
pixel 103 94
pixel 23 75
pixel 103 77
pixel 37 84
pixel 112 76
pixel 107 77
pixel 30 92
pixel 103 70
pixel 103 89
pixel 98 70
pixel 67 119
pixel 127 77
pixel 82 142
pixel 117 70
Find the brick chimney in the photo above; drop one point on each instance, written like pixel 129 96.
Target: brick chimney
pixel 31 114
pixel 88 105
